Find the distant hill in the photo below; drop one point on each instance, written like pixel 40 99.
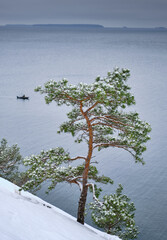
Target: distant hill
pixel 161 28
pixel 57 25
pixel 84 26
pixel 70 25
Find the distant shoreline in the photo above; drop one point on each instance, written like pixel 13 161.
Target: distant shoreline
pixel 55 25
pixel 82 26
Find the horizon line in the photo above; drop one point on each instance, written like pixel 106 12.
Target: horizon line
pixel 77 24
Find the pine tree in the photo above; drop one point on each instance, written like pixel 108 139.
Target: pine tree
pixel 10 159
pixel 115 214
pixel 98 118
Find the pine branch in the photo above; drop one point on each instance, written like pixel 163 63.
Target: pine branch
pixel 119 122
pixel 76 120
pixel 108 125
pixel 75 180
pixel 76 158
pixel 106 118
pixel 93 106
pixel 97 118
pixel 112 145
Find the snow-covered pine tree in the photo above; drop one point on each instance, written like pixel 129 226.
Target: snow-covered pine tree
pixel 98 117
pixel 115 214
pixel 10 159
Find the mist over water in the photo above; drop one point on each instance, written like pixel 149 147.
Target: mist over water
pixel 31 56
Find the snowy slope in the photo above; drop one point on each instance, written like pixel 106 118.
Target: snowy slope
pixel 27 217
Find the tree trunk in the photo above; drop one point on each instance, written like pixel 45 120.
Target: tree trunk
pixel 82 203
pixel 83 197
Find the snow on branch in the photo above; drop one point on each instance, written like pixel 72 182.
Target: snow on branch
pixel 94 194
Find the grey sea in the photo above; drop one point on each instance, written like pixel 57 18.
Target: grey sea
pixel 30 56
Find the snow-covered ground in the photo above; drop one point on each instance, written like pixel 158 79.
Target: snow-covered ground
pixel 27 217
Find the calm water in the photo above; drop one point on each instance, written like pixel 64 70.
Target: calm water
pixel 30 57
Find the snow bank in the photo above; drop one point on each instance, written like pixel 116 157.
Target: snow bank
pixel 27 217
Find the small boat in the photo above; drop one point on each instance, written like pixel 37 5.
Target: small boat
pixel 23 97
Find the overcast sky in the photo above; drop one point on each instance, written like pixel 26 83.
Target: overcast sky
pixel 110 13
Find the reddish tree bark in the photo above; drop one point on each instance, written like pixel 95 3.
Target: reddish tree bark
pixel 84 191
